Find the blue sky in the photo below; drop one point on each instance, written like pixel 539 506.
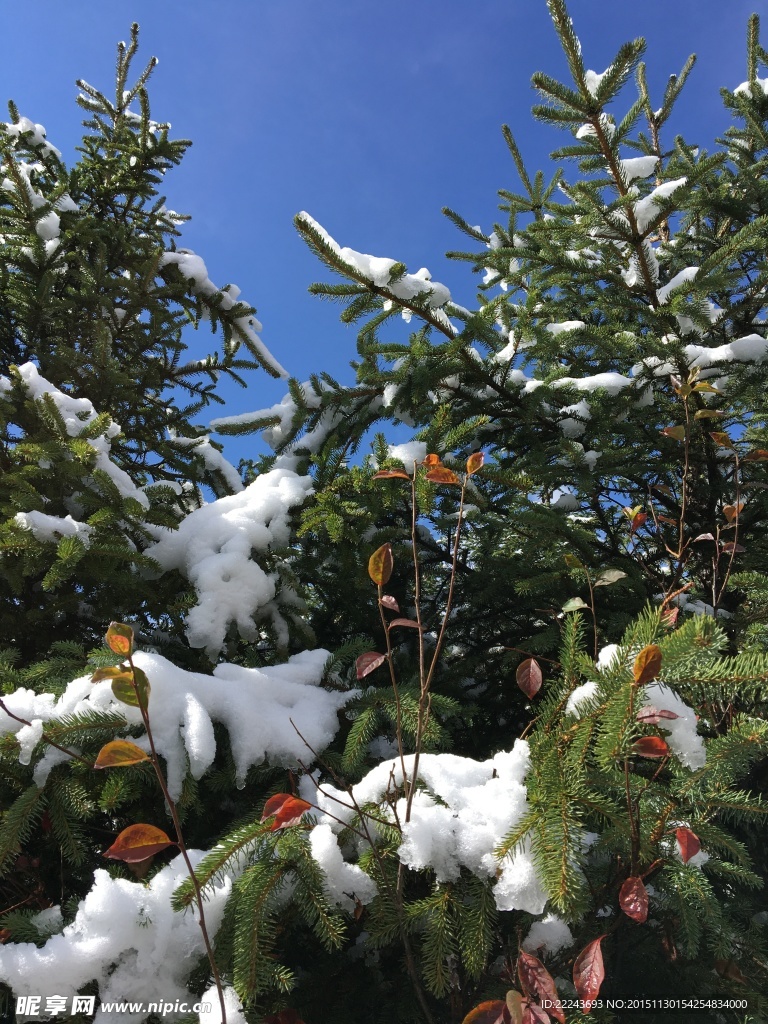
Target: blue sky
pixel 369 116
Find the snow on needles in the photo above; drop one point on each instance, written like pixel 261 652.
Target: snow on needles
pixel 459 818
pixel 127 938
pixel 213 547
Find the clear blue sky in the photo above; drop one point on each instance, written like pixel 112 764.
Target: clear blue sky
pixel 370 116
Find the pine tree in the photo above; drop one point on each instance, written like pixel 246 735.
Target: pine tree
pixel 550 751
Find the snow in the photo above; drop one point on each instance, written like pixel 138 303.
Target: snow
pixel 682 737
pixel 751 348
pixel 459 818
pixel 376 269
pixel 680 279
pixel 581 699
pixel 77 414
pixel 146 959
pixel 612 382
pixel 47 227
pixel 232 1007
pixel 255 705
pixel 343 882
pixel 193 268
pixel 608 657
pixel 213 547
pixel 550 935
pixel 574 423
pixel 647 210
pixel 745 89
pixel 213 459
pixel 592 80
pixel 408 453
pixel 566 325
pixel 35 135
pixel 637 167
pixel 50 529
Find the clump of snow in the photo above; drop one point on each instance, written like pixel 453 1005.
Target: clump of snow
pixel 576 418
pixel 682 737
pixel 408 453
pixel 459 818
pixel 637 167
pixel 592 80
pixel 683 277
pixel 607 657
pixel 214 547
pixel 52 528
pixel 255 705
pixel 126 938
pixel 745 89
pixel 77 414
pixel 343 882
pixel 213 459
pixel 611 381
pixel 32 134
pixel 647 210
pixel 549 935
pixel 581 699
pixel 232 1007
pixel 566 325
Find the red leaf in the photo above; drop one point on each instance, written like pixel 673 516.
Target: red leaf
pixel 368 663
pixel 380 564
pixel 489 1012
pixel 475 462
pixel 633 899
pixel 411 623
pixel 533 1014
pixel 389 602
pixel 650 746
pixel 637 522
pixel 647 664
pixel 529 677
pixel 688 843
pixel 652 716
pixel 285 809
pixel 442 475
pixel 536 980
pixel 731 548
pixel 588 972
pixel 703 536
pixel 389 474
pixel 137 843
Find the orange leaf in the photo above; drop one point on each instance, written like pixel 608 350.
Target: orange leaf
pixel 731 511
pixel 756 455
pixel 529 677
pixel 380 564
pixel 633 899
pixel 285 809
pixel 441 475
pixel 536 980
pixel 411 623
pixel 137 842
pixel 647 665
pixel 368 663
pixel 110 673
pixel 119 753
pixel 650 746
pixel 475 462
pixel 389 474
pixel 489 1012
pixel 432 460
pixel 688 842
pixel 589 972
pixel 721 439
pixel 637 521
pixel 119 638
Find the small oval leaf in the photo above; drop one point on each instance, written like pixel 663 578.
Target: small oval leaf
pixel 380 564
pixel 489 1012
pixel 537 981
pixel 652 716
pixel 721 439
pixel 637 522
pixel 411 623
pixel 688 843
pixel 574 604
pixel 757 455
pixel 678 433
pixel 118 754
pixel 391 474
pixel 368 663
pixel 442 475
pixel 120 638
pixel 389 602
pixel 647 664
pixel 650 746
pixel 529 677
pixel 589 972
pixel 132 688
pixel 112 672
pixel 285 809
pixel 515 1006
pixel 432 460
pixel 475 462
pixel 138 842
pixel 633 899
pixel 609 576
pixel 731 548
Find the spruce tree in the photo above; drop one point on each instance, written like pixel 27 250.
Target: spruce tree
pixel 546 609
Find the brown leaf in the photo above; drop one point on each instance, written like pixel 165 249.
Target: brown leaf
pixel 647 665
pixel 489 1012
pixel 380 564
pixel 731 548
pixel 678 433
pixel 633 899
pixel 756 455
pixel 650 746
pixel 432 460
pixel 475 462
pixel 442 475
pixel 652 716
pixel 637 522
pixel 529 677
pixel 390 474
pixel 411 623
pixel 721 439
pixel 119 638
pixel 368 663
pixel 285 809
pixel 137 842
pixel 536 980
pixel 589 972
pixel 729 970
pixel 389 602
pixel 703 536
pixel 688 842
pixel 118 754
pixel 731 511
